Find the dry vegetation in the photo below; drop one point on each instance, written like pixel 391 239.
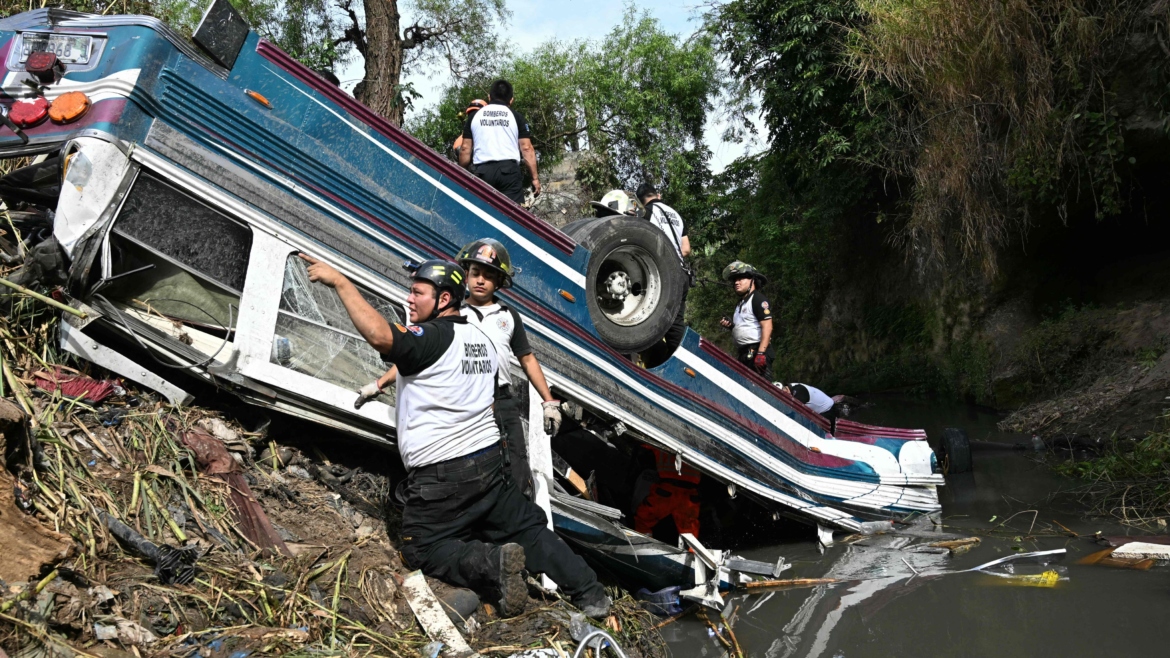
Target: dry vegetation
pixel 1007 106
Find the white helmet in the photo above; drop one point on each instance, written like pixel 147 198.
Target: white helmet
pixel 615 202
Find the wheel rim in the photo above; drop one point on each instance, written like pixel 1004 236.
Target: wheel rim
pixel 628 286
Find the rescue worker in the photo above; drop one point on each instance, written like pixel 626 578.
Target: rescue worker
pixel 464 522
pixel 676 494
pixel 751 325
pixel 489 268
pixel 475 106
pixel 671 223
pixel 494 141
pixel 815 399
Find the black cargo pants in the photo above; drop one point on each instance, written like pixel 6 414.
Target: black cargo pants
pixel 505 176
pixel 747 356
pixel 509 418
pixel 460 511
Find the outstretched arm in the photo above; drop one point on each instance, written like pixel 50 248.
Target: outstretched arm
pixel 366 319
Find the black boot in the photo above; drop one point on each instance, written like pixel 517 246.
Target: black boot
pixel 512 589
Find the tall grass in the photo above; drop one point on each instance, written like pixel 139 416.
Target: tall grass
pixel 1008 110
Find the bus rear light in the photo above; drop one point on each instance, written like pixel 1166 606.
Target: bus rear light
pixel 70 106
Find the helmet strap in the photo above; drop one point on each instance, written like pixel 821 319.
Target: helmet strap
pixel 439 309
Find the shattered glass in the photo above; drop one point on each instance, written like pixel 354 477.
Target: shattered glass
pixel 315 336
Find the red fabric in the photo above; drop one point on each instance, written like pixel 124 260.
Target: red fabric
pixel 215 460
pixel 666 499
pixel 73 385
pixel 664 462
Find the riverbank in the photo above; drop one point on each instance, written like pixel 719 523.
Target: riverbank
pixel 145 529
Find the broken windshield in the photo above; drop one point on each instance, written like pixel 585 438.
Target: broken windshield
pixel 315 336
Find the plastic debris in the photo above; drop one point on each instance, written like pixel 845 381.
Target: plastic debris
pixel 171 564
pixel 1141 550
pixel 664 603
pixel 74 385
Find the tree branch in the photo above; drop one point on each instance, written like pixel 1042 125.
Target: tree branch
pixel 354 33
pixel 416 35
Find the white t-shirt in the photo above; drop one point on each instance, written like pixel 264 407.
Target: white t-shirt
pixel 745 322
pixel 670 222
pixel 495 131
pixel 445 390
pixel 817 400
pixel 506 330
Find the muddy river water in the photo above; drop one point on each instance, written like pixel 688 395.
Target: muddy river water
pixel 1092 611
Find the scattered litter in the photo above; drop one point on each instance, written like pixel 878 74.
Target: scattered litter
pixel 172 565
pixel 1047 578
pixel 74 385
pixel 1142 550
pixel 957 546
pixel 216 461
pixel 1105 558
pixel 664 603
pixel 430 615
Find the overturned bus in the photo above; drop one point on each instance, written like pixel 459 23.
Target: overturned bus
pixel 180 181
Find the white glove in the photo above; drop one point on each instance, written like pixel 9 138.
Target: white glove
pixel 366 393
pixel 552 416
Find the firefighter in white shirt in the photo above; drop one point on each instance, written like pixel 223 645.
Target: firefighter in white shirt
pixel 817 400
pixel 751 325
pixel 495 140
pixel 464 521
pixel 671 223
pixel 489 268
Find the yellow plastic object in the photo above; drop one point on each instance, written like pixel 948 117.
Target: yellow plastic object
pixel 1047 579
pixel 70 106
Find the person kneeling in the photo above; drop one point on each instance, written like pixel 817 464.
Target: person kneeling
pixel 464 522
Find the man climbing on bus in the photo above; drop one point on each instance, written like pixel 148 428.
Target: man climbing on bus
pixel 751 325
pixel 495 139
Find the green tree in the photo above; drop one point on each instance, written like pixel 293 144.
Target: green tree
pixel 636 101
pixel 794 210
pixel 460 34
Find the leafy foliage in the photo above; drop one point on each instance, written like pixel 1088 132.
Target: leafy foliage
pixel 1010 111
pixel 637 100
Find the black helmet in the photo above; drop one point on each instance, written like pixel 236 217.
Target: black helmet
pixel 740 269
pixel 445 275
pixel 491 253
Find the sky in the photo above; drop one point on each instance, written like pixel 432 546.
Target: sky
pixel 536 21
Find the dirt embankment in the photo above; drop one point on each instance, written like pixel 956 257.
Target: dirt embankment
pixel 147 530
pixel 1119 383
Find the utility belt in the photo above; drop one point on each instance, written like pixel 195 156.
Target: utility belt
pixel 493 162
pixel 504 392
